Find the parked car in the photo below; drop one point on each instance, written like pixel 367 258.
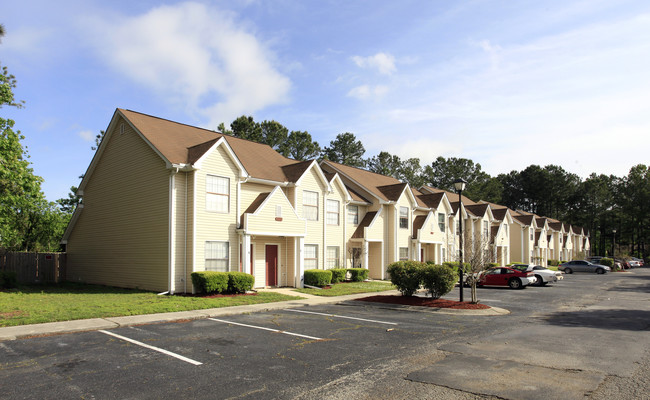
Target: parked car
pixel 583 266
pixel 543 275
pixel 505 276
pixel 634 263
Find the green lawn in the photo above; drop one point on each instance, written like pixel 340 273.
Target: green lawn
pixel 340 289
pixel 69 301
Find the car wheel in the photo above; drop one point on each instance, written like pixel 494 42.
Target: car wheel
pixel 600 271
pixel 568 271
pixel 540 281
pixel 515 283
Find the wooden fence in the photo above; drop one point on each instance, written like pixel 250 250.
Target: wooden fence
pixel 35 267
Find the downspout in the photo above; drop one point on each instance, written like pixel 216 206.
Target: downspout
pixel 172 253
pixel 185 240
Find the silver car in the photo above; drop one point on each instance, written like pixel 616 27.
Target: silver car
pixel 583 266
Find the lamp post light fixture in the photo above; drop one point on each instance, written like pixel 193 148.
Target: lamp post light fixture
pixel 459 184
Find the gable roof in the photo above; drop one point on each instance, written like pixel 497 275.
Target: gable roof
pixel 478 210
pixel 182 144
pixel 366 180
pixel 365 222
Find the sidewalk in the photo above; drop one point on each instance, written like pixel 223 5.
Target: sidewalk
pixel 51 328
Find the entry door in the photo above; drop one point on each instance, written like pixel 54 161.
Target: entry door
pixel 271 265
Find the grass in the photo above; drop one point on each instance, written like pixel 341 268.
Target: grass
pixel 341 289
pixel 70 301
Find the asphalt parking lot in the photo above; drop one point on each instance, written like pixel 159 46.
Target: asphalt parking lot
pixel 366 350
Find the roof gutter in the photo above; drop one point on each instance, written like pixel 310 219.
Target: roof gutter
pixel 268 182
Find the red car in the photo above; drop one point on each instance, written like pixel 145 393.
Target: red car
pixel 504 276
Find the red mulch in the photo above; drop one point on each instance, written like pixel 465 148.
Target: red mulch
pixel 425 302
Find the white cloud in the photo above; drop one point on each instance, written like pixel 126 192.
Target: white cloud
pixel 87 135
pixel 364 92
pixel 195 55
pixel 383 62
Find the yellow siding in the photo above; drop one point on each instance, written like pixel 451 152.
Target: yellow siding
pixel 180 234
pixel 250 191
pixel 335 233
pixel 264 220
pixel 121 237
pixel 375 232
pixel 214 226
pixel 404 235
pixel 310 181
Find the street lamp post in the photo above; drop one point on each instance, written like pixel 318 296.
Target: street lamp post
pixel 613 244
pixel 459 184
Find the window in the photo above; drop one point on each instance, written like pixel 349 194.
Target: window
pixel 353 214
pixel 332 257
pixel 485 230
pixel 310 205
pixel 403 253
pixel 531 233
pixel 444 254
pixel 216 256
pixel 506 228
pixel 311 256
pixel 356 257
pixel 332 216
pixel 441 221
pixel 404 217
pixel 217 195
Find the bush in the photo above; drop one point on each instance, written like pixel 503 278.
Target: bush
pixel 493 265
pixel 406 275
pixel 240 282
pixel 8 280
pixel 607 261
pixel 454 266
pixel 210 281
pixel 318 277
pixel 438 280
pixel 553 263
pixel 338 274
pixel 358 274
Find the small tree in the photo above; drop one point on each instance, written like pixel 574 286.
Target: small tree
pixel 477 257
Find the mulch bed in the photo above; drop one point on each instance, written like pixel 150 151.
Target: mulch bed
pixel 425 302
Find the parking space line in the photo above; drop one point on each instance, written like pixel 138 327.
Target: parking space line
pixel 266 329
pixel 169 353
pixel 342 316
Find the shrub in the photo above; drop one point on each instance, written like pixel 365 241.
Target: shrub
pixel 493 265
pixel 318 277
pixel 338 274
pixel 438 280
pixel 8 280
pixel 240 282
pixel 210 281
pixel 358 274
pixel 406 276
pixel 454 266
pixel 553 263
pixel 607 261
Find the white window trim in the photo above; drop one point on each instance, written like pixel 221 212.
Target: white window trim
pixel 206 259
pixel 207 194
pixel 329 213
pixel 310 206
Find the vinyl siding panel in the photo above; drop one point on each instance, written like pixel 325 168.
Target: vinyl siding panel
pixel 311 182
pixel 264 220
pixel 216 226
pixel 121 237
pixel 335 234
pixel 181 282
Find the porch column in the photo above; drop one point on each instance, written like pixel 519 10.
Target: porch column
pixel 300 261
pixel 418 251
pixel 364 255
pixel 246 254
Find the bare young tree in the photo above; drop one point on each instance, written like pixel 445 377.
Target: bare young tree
pixel 477 256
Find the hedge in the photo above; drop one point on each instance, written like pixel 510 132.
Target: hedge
pixel 240 282
pixel 318 277
pixel 338 274
pixel 438 280
pixel 358 274
pixel 8 280
pixel 553 263
pixel 210 281
pixel 607 261
pixel 406 276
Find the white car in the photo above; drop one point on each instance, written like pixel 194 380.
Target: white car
pixel 542 274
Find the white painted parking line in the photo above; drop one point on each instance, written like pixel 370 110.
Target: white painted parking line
pixel 342 316
pixel 266 329
pixel 169 353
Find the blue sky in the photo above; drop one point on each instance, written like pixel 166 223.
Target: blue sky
pixel 504 83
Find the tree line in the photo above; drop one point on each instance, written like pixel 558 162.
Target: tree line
pixel 600 203
pixel 614 210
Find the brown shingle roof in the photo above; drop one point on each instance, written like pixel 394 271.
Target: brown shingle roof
pixel 417 223
pixel 430 200
pixel 525 219
pixel 392 192
pixel 365 222
pixel 477 209
pixel 254 205
pixel 368 180
pixel 180 144
pixel 450 195
pixel 499 213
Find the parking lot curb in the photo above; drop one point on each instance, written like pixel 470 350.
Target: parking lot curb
pixel 53 328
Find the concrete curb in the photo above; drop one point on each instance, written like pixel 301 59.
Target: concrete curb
pixel 53 328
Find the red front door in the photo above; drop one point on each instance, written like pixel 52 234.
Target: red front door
pixel 271 265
